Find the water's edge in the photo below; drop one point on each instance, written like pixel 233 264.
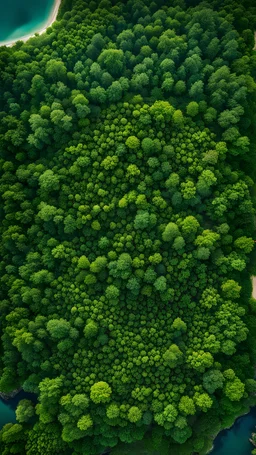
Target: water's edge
pixel 39 29
pixel 10 395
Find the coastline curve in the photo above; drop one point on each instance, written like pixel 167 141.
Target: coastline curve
pixel 52 17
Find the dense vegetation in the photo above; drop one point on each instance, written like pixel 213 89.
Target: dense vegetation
pixel 127 204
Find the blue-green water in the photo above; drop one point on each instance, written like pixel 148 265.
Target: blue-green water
pixel 236 440
pixel 7 412
pixel 7 408
pixel 22 17
pixel 229 442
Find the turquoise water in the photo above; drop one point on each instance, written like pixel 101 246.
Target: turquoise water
pixel 7 408
pixel 22 17
pixel 7 412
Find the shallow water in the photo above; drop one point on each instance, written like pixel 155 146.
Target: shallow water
pixel 22 17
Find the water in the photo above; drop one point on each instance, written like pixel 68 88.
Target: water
pixel 19 18
pixel 7 407
pixel 236 440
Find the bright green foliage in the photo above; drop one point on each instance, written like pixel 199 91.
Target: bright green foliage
pixel 85 422
pixel 90 329
pixel 234 389
pixel 192 109
pixel 83 263
pixel 127 226
pixel 25 411
pixel 179 325
pixel 58 328
pixel 231 289
pixel 186 405
pixel 100 392
pixel 171 231
pixel 134 414
pixel 113 411
pixel 112 292
pixel 203 401
pixel 132 142
pixel 173 356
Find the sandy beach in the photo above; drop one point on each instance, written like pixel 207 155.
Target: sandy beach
pixel 254 287
pixel 52 17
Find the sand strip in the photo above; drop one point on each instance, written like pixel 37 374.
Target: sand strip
pixel 52 17
pixel 254 287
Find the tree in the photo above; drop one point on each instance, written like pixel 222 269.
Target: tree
pixel 25 411
pixel 48 181
pixel 147 145
pixel 56 70
pixel 231 289
pixel 112 60
pixel 85 422
pixel 212 380
pixel 113 411
pixel 160 283
pixel 114 91
pixel 170 232
pixel 12 433
pixel 173 356
pixel 170 413
pixel 179 325
pixel 197 91
pixel 203 401
pixel 112 292
pixel 180 88
pixel 50 393
pixel 142 220
pixel 200 360
pixel 186 405
pixel 134 414
pixel 234 389
pixel 83 262
pixel 179 243
pixel 192 109
pixel 58 328
pixel 81 104
pixel 178 118
pixel 190 226
pixel 100 392
pixel 98 95
pixel 161 111
pixel 245 244
pixel 91 329
pixel 132 142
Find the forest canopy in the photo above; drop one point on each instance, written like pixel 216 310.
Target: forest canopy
pixel 127 188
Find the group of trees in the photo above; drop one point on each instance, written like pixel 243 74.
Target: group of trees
pixel 127 200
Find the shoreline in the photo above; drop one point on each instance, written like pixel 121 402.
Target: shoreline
pixel 254 287
pixel 52 17
pixel 253 279
pixel 228 428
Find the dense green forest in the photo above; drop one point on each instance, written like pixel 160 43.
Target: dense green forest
pixel 128 146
